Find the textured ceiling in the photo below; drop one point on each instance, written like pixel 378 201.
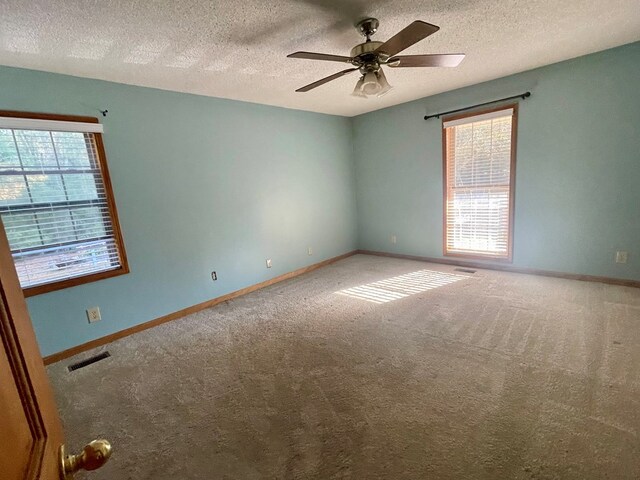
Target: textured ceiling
pixel 238 49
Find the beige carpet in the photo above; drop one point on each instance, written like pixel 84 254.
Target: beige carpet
pixel 374 368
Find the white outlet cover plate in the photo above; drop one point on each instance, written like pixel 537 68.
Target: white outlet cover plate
pixel 621 257
pixel 268 263
pixel 93 314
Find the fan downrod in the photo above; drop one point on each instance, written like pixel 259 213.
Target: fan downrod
pixel 367 27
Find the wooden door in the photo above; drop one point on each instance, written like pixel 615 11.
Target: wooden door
pixel 30 430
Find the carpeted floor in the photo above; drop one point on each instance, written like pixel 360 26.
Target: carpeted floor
pixel 410 371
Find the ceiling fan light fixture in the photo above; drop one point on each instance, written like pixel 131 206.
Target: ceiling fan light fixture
pixel 357 92
pixel 371 84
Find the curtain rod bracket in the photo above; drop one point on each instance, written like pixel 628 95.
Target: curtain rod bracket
pixel 438 115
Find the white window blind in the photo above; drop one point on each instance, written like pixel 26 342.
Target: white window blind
pixel 478 189
pixel 54 203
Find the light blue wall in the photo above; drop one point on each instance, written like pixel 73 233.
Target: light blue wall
pixel 577 173
pixel 201 184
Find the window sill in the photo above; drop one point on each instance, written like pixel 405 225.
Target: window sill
pixel 73 282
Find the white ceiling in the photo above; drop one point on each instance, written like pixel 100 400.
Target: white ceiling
pixel 237 49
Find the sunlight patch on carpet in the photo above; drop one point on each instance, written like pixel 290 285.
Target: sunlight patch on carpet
pixel 402 286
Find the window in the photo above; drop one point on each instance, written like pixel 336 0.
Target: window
pixel 479 171
pixel 56 201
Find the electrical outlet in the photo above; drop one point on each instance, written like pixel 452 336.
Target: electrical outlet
pixel 621 256
pixel 310 251
pixel 214 276
pixel 393 239
pixel 93 314
pixel 268 263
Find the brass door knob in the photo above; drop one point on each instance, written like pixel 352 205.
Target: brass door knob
pixel 94 455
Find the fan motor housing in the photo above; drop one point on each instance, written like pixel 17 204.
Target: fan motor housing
pixel 364 48
pixel 365 55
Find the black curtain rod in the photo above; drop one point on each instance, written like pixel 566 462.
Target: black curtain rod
pixel 438 115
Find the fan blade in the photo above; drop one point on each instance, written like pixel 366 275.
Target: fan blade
pixel 446 60
pixel 402 40
pixel 320 56
pixel 313 85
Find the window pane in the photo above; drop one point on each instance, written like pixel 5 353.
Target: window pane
pixel 88 223
pixel 483 152
pixel 480 220
pixel 71 149
pixel 46 188
pixel 13 190
pixel 35 149
pixel 56 227
pixel 80 186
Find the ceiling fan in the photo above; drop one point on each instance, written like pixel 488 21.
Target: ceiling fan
pixel 370 56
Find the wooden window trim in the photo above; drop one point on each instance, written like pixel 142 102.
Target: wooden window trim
pixel 113 211
pixel 512 181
